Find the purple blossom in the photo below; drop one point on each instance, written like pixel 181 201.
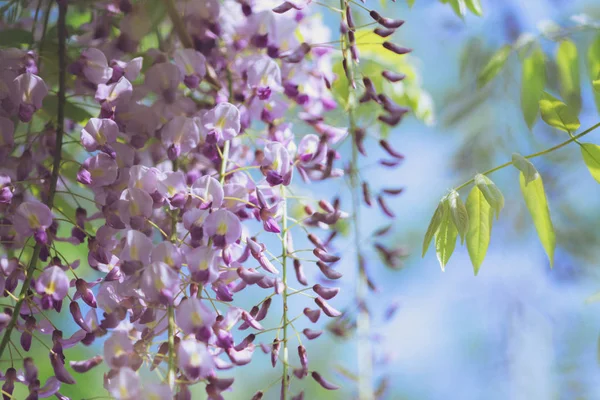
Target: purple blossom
pixel 277 165
pixel 192 65
pixel 98 170
pixel 33 218
pixel 159 282
pixel 194 317
pixel 221 123
pixel 202 262
pixel 224 227
pixel 124 385
pixel 53 285
pixel 180 135
pixel 99 134
pixel 94 66
pixel 194 359
pixel 207 192
pixel 30 92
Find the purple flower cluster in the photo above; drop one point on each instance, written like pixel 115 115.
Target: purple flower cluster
pixel 181 176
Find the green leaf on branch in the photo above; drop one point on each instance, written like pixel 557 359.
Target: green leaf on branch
pixel 526 167
pixel 567 61
pixel 535 198
pixel 459 214
pixel 445 237
pixel 475 7
pixel 480 227
pixel 593 59
pixel 432 229
pixel 532 85
pixel 490 192
pixel 15 37
pixel 459 7
pixel 557 114
pixel 72 112
pixel 591 157
pixel 494 66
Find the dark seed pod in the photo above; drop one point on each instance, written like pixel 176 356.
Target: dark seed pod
pixel 314 239
pixel 349 18
pixel 325 292
pixel 299 272
pixel 391 120
pixel 393 192
pixel 388 148
pixel 366 193
pixel 324 383
pixel 264 309
pixel 395 48
pixel 275 352
pixel 313 315
pixel 383 32
pixel 386 210
pixel 329 272
pixel 327 309
pixel 393 76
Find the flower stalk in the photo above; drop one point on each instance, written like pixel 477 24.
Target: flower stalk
pixel 284 296
pixel 363 323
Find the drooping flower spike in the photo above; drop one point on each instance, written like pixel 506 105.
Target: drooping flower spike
pixel 177 170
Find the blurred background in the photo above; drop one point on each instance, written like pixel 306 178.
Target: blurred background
pixel 519 330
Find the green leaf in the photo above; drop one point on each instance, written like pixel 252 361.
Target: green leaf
pixel 72 112
pixel 535 198
pixel 494 66
pixel 567 61
pixel 557 114
pixel 445 237
pixel 532 85
pixel 459 7
pixel 596 86
pixel 459 214
pixel 475 7
pixel 591 156
pixel 15 37
pixel 526 167
pixel 434 224
pixel 490 192
pixel 480 227
pixel 593 58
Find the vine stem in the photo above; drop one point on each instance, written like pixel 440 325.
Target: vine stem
pixel 187 42
pixel 363 322
pixel 62 64
pixel 534 155
pixel 224 160
pixel 284 296
pixel 171 309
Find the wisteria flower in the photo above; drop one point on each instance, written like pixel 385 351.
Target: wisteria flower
pixel 194 359
pixel 180 135
pixel 99 134
pixel 30 92
pixel 124 385
pixel 53 285
pixel 33 218
pixel 194 317
pixel 192 65
pixel 221 123
pixel 224 227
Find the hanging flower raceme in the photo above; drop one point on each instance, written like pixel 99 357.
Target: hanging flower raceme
pixel 179 183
